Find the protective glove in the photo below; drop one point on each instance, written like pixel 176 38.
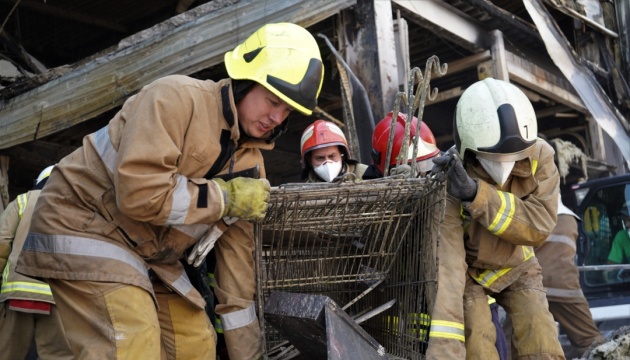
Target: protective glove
pixel 404 170
pixel 202 247
pixel 245 198
pixel 449 167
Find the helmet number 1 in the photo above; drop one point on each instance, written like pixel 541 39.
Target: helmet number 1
pixel 526 132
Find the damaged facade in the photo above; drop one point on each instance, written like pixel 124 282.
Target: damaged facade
pixel 67 66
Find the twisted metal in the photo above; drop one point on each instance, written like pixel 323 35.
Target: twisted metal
pixel 414 102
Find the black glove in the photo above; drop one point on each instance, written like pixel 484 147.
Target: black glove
pixel 449 166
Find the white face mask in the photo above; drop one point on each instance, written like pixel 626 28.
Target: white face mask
pixel 328 170
pixel 499 171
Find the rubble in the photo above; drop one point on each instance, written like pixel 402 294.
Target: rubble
pixel 617 348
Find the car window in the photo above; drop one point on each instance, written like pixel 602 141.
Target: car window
pixel 606 224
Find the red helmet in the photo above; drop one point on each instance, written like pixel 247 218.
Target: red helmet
pixel 427 147
pixel 321 134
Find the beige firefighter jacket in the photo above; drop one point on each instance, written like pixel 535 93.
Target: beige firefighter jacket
pixel 14 224
pixel 556 256
pixel 355 168
pixel 128 203
pixel 504 224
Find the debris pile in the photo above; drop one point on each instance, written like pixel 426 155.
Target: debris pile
pixel 618 347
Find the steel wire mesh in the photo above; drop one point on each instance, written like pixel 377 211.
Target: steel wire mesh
pixel 343 240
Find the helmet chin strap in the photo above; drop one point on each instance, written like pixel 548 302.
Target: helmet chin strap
pixel 278 130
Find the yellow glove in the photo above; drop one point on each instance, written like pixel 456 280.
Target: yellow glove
pixel 246 198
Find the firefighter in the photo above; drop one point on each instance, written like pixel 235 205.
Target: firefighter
pixel 325 154
pixel 116 216
pixel 427 147
pixel 427 151
pixel 502 187
pixel 561 280
pixel 27 307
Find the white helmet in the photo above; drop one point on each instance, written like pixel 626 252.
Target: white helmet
pixel 495 120
pixel 44 174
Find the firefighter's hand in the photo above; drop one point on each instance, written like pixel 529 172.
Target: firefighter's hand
pixel 202 247
pixel 245 198
pixel 449 167
pixel 404 170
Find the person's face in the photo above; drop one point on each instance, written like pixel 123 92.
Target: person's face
pixel 260 111
pixel 318 156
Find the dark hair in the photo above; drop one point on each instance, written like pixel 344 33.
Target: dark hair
pixel 240 88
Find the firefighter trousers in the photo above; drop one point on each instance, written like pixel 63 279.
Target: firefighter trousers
pixel 234 288
pixel 119 321
pixel 577 322
pixel 446 335
pixel 19 329
pixel 534 331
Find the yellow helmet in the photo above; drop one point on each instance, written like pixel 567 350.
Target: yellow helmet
pixel 285 59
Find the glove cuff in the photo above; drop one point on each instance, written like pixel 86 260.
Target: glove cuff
pixel 225 198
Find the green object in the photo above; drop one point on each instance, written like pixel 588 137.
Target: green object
pixel 245 198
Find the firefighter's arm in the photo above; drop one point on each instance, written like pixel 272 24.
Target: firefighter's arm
pixel 148 184
pixel 527 221
pixel 9 221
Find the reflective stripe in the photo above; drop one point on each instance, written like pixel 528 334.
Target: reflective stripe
pixel 218 326
pixel 504 216
pixel 211 279
pixel 182 284
pixel 238 319
pixel 104 148
pixel 534 166
pixel 565 293
pixel 22 200
pixel 491 300
pixel 447 330
pixel 562 239
pixel 488 277
pixel 74 245
pixel 180 203
pixel 181 197
pixel 24 286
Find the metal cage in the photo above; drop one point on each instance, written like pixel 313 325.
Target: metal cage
pixel 360 243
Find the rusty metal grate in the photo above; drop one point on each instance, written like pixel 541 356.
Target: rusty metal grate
pixel 344 240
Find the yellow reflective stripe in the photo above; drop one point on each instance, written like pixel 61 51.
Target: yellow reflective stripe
pixel 419 318
pixel 447 330
pixel 22 200
pixel 491 300
pixel 528 252
pixel 218 327
pixel 34 288
pixel 534 166
pixel 503 219
pixel 488 277
pixel 211 279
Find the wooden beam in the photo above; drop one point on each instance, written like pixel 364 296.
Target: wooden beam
pixel 105 82
pixel 445 21
pixel 540 80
